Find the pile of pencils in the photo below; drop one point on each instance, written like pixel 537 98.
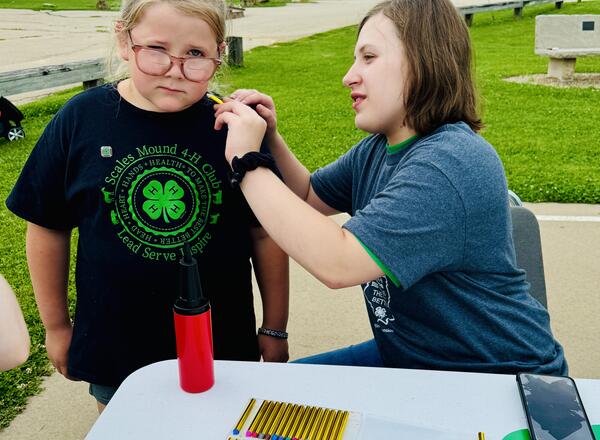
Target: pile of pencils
pixel 289 421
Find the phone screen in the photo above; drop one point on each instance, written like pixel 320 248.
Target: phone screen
pixel 554 409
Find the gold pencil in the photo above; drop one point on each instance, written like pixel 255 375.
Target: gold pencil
pixel 328 428
pixel 282 421
pixel 270 419
pixel 214 98
pixel 314 428
pixel 332 434
pixel 294 429
pixel 245 415
pixel 343 427
pixel 256 418
pixel 305 422
pixel 324 422
pixel 267 414
pixel 271 429
pixel 289 421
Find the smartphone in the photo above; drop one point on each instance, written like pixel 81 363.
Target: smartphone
pixel 553 408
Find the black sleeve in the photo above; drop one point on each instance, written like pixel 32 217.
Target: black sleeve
pixel 39 194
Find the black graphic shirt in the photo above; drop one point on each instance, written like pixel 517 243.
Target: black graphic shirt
pixel 137 185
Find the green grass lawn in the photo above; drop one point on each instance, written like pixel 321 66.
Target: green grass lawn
pixel 548 139
pixel 57 5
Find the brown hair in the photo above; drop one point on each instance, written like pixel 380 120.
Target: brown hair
pixel 440 87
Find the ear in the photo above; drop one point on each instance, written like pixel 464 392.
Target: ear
pixel 221 49
pixel 122 41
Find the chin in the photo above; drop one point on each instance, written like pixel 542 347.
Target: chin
pixel 170 106
pixel 364 124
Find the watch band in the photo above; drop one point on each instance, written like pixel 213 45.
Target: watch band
pixel 279 334
pixel 248 162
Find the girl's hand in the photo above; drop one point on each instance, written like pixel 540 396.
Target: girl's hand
pixel 263 104
pixel 246 128
pixel 273 349
pixel 57 345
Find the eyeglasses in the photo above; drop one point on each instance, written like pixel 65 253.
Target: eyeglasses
pixel 157 62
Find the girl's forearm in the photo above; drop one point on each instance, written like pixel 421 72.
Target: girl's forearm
pixel 295 175
pixel 332 254
pixel 271 267
pixel 48 252
pixel 14 338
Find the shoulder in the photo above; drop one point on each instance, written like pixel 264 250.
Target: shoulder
pixel 365 151
pixel 456 146
pixel 374 141
pixel 369 146
pixel 106 93
pixel 468 162
pixel 91 101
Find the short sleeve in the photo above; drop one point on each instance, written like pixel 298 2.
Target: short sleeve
pixel 39 195
pixel 415 225
pixel 333 183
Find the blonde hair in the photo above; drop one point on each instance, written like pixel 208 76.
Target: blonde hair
pixel 213 12
pixel 440 87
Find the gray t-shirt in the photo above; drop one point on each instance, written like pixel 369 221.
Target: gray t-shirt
pixel 435 216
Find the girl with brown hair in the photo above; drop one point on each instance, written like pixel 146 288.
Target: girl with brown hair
pixel 429 238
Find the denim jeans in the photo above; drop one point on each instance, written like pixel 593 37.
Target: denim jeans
pixel 102 393
pixel 364 354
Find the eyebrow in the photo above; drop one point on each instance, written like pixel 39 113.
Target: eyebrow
pixel 366 47
pixel 158 42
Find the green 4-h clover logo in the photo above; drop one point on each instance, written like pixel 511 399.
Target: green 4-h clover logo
pixel 163 201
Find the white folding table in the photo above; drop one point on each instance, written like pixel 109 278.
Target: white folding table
pixel 150 404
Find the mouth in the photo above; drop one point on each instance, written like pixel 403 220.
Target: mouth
pixel 357 99
pixel 169 89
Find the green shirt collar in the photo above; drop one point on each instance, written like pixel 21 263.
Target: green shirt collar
pixel 393 149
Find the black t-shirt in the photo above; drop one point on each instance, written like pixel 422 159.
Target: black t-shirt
pixel 137 185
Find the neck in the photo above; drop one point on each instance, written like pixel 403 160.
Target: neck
pixel 130 94
pixel 400 135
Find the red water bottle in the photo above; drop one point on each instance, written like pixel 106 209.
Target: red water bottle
pixel 193 329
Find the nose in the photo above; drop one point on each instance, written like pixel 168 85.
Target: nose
pixel 351 77
pixel 176 69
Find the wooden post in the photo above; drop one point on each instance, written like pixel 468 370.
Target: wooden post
pixel 92 83
pixel 469 19
pixel 235 51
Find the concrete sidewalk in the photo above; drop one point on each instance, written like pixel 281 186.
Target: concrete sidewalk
pixel 320 319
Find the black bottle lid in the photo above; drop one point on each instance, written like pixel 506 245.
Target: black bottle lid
pixel 191 300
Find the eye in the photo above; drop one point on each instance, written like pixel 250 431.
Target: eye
pixel 368 57
pixel 156 47
pixel 195 53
